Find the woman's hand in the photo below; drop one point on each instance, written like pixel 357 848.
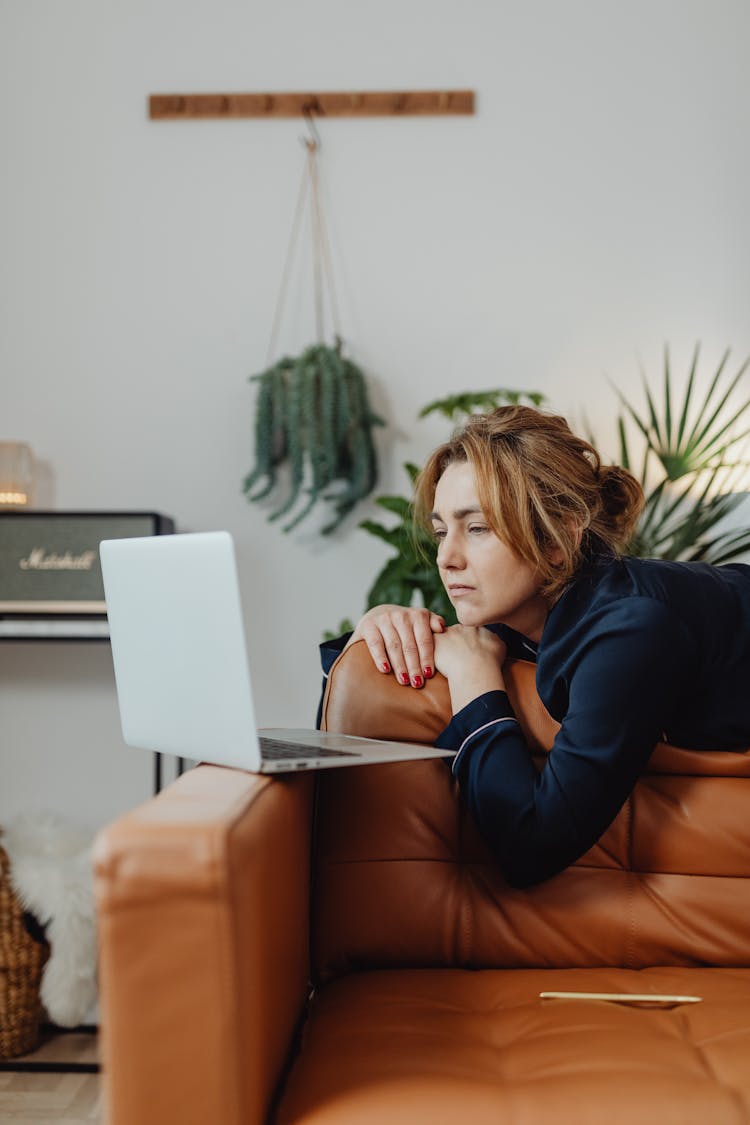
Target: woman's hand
pixel 401 640
pixel 472 660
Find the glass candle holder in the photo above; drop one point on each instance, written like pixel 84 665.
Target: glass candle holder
pixel 16 475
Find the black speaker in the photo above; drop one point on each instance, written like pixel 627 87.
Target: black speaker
pixel 49 561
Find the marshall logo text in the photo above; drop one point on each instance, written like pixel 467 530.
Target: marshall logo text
pixel 38 559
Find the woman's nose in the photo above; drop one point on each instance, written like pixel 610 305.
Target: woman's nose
pixel 449 556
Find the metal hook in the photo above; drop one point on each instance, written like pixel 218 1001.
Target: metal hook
pixel 313 141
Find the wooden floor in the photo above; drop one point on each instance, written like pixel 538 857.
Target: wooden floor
pixel 54 1099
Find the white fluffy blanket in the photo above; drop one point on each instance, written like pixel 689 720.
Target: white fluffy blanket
pixel 51 874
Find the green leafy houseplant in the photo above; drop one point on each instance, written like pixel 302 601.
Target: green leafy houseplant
pixel 691 461
pixel 313 412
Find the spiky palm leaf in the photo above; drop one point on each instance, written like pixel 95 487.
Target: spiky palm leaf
pixel 691 444
pixel 699 447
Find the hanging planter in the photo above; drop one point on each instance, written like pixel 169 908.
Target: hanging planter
pixel 312 411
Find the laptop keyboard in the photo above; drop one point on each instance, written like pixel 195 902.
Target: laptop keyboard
pixel 276 750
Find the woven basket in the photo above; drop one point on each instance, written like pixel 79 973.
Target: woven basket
pixel 22 960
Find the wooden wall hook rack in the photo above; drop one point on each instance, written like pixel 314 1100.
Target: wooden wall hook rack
pixel 362 103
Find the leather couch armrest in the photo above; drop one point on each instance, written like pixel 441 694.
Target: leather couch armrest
pixel 360 700
pixel 203 908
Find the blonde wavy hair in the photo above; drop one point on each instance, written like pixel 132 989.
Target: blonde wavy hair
pixel 543 490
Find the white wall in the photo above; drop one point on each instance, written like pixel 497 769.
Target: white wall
pixel 594 207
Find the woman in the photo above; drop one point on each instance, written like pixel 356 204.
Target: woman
pixel 529 528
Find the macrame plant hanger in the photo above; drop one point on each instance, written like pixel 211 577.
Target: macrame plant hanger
pixel 313 410
pixel 321 254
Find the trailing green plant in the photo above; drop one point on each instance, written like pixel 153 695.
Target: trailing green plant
pixel 691 461
pixel 411 573
pixel 313 412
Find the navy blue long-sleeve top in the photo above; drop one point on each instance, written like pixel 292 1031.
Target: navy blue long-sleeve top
pixel 634 652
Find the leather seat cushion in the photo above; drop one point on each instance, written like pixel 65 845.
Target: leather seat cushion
pixel 434 1047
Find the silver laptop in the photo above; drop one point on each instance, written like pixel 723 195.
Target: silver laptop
pixel 181 665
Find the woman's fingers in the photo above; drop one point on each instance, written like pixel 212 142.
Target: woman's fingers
pixel 404 646
pixel 400 639
pixel 437 623
pixel 373 638
pixel 394 649
pixel 419 650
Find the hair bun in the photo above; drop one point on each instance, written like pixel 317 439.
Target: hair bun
pixel 622 500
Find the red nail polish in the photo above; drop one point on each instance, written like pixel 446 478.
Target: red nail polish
pixel 404 677
pixel 428 673
pixel 417 681
pixel 385 666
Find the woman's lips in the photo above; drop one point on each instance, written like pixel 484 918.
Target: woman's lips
pixel 459 591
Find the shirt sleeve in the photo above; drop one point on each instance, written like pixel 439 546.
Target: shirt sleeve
pixel 624 675
pixel 329 650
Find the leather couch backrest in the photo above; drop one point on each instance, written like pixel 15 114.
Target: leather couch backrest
pixel 402 879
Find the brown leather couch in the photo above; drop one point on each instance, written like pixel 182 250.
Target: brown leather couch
pixel 340 949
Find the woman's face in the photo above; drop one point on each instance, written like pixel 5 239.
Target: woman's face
pixel 486 580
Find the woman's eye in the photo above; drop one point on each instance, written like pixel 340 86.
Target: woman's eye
pixel 477 528
pixel 438 533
